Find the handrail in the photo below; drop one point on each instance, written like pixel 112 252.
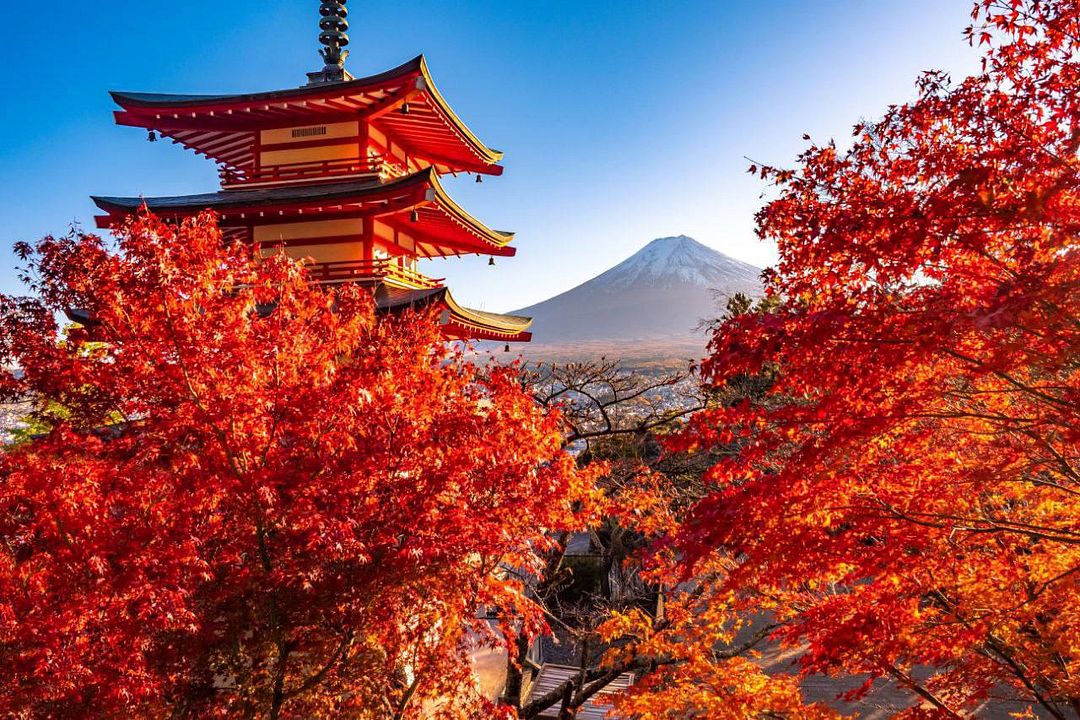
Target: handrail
pixel 303 170
pixel 380 269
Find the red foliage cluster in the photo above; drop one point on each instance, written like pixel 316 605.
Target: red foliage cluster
pixel 250 496
pixel 907 492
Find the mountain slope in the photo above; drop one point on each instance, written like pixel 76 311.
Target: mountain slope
pixel 663 291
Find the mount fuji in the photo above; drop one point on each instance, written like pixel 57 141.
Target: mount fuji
pixel 660 293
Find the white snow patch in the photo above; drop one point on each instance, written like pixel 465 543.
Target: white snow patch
pixel 679 258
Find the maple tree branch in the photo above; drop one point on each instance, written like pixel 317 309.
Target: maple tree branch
pixel 1033 391
pixel 907 681
pixel 974 525
pixel 998 651
pixel 1061 459
pixel 635 430
pixel 611 398
pixel 407 697
pixel 534 707
pixel 316 678
pixel 755 640
pixel 593 681
pixel 277 698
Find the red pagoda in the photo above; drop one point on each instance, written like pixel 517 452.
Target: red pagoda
pixel 343 171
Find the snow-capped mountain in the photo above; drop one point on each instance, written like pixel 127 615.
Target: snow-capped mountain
pixel 661 292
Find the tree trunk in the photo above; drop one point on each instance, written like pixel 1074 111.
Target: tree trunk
pixel 515 673
pixel 565 711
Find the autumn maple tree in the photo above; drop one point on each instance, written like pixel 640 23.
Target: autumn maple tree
pixel 904 495
pixel 616 608
pixel 251 496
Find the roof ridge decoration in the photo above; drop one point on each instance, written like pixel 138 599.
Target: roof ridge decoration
pixel 332 26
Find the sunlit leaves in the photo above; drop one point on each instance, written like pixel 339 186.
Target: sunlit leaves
pixel 248 493
pixel 907 492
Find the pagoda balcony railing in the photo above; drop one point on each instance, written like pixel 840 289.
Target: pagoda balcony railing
pixel 382 269
pixel 381 165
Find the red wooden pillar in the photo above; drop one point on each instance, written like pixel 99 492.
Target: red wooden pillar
pixel 363 139
pixel 369 239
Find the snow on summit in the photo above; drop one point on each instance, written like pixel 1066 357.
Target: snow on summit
pixel 663 291
pixel 680 259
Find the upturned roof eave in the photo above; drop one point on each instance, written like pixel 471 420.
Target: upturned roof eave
pixel 498 238
pixel 492 326
pixel 489 155
pixel 262 197
pixel 134 102
pixel 241 200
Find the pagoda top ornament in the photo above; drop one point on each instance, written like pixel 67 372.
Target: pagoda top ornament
pixel 332 28
pixel 342 174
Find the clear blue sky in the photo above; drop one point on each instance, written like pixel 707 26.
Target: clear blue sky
pixel 621 121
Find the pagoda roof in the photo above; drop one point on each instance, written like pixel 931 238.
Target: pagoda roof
pixel 458 322
pixel 441 226
pixel 225 127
